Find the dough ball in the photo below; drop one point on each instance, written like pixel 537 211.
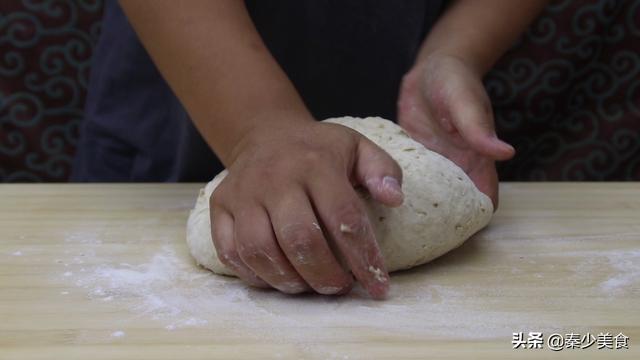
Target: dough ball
pixel 442 207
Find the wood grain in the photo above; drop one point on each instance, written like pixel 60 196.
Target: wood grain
pixel 557 257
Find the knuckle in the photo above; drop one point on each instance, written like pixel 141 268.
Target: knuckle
pixel 251 254
pixel 248 251
pixel 258 252
pixel 350 219
pixel 217 197
pixel 301 241
pixel 312 156
pixel 264 172
pixel 229 259
pixel 313 159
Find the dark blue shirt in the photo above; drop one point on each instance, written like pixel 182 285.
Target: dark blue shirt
pixel 344 58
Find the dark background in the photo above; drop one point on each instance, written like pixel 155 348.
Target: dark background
pixel 567 95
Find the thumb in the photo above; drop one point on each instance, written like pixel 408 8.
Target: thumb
pixel 474 122
pixel 379 173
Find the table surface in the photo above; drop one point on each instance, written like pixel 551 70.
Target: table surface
pixel 101 271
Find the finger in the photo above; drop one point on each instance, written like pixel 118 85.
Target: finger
pixel 302 241
pixel 379 173
pixel 473 119
pixel 223 241
pixel 485 177
pixel 346 222
pixel 259 250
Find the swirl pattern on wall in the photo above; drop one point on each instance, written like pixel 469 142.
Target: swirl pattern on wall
pixel 567 95
pixel 45 53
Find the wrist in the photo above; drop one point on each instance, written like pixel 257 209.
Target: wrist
pixel 476 65
pixel 266 127
pixel 479 32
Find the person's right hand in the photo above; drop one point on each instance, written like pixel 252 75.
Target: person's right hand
pixel 288 207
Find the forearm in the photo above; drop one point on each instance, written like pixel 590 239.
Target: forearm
pixel 216 63
pixel 480 31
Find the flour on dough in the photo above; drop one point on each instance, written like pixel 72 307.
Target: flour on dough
pixel 442 207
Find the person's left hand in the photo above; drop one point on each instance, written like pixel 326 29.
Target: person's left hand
pixel 443 104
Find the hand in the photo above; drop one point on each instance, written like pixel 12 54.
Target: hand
pixel 288 207
pixel 443 105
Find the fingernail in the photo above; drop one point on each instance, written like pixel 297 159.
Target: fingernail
pixel 510 147
pixel 501 145
pixel 389 182
pixel 330 290
pixel 292 287
pixel 506 147
pixel 499 141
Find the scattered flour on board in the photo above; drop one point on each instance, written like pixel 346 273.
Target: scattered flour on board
pixel 616 270
pixel 170 289
pixel 627 264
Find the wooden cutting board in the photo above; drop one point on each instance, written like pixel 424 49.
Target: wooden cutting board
pixel 102 272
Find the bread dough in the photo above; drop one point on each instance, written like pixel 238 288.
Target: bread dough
pixel 442 207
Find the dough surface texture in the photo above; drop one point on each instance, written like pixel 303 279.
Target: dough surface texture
pixel 442 207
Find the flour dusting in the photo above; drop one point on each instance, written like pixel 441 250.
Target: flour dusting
pixel 163 284
pixel 627 264
pixel 170 289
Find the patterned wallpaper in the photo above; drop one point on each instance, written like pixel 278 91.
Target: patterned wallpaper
pixel 45 53
pixel 567 95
